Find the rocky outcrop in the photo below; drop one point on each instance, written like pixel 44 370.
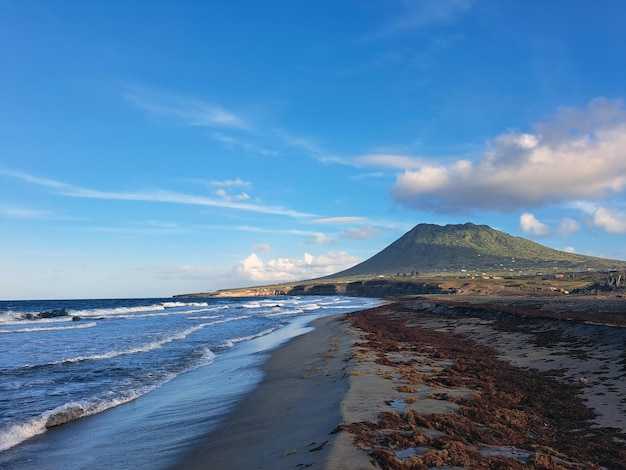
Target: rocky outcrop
pixel 374 288
pixel 315 289
pixel 382 288
pixel 57 312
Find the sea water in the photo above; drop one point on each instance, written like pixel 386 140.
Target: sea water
pixel 133 383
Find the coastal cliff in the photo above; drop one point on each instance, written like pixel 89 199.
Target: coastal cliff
pixel 377 288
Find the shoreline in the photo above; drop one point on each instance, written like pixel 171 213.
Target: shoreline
pixel 289 419
pixel 339 397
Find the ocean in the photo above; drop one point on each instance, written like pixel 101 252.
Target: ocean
pixel 133 383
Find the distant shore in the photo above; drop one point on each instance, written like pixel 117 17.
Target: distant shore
pixel 470 381
pixel 595 283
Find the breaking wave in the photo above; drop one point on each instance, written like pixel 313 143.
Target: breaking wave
pixel 15 433
pixel 79 326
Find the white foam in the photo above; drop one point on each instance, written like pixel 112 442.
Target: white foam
pixel 311 307
pixel 256 335
pixel 184 304
pixel 207 354
pixel 147 346
pixel 51 328
pixel 9 316
pixel 117 310
pixel 226 344
pixel 226 320
pixel 251 305
pixel 15 433
pixel 203 317
pixel 281 313
pixel 19 318
pixel 137 349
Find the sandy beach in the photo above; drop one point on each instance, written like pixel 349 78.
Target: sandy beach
pixel 289 420
pixel 473 382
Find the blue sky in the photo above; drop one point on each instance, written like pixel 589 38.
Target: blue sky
pixel 149 148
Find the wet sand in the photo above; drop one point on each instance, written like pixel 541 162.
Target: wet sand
pixel 471 383
pixel 289 420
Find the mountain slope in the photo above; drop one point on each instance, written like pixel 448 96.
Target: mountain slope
pixel 429 248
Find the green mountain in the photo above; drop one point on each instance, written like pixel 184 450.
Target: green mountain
pixel 471 248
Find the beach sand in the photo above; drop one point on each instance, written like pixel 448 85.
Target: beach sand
pixel 438 382
pixel 288 421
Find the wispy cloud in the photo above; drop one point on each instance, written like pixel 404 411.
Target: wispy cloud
pixel 368 176
pixel 230 142
pixel 138 231
pixel 262 247
pixel 339 220
pixel 16 211
pixel 418 14
pixel 365 232
pixel 567 227
pixel 397 162
pixel 229 197
pixel 306 144
pixel 319 238
pixel 384 161
pixel 231 129
pixel 162 196
pixel 11 211
pixel 190 111
pixel 237 182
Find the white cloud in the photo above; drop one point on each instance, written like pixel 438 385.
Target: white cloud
pixel 569 249
pixel 255 269
pixel 567 227
pixel 611 221
pixel 532 226
pixel 580 154
pixel 251 265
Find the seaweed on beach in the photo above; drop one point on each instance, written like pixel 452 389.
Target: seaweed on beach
pixel 532 412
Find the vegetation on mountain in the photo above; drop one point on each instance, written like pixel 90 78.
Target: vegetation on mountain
pixel 429 248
